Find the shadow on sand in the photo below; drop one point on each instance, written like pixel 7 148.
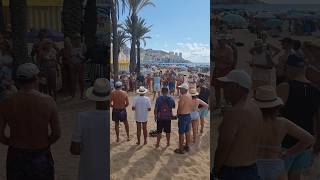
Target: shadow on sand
pixel 121 159
pixel 136 171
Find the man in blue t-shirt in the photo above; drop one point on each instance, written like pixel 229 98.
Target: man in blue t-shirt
pixel 163 115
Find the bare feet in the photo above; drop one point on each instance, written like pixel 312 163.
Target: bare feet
pixel 138 143
pixel 201 131
pixel 118 139
pixel 145 142
pixel 157 145
pixel 168 144
pixel 128 139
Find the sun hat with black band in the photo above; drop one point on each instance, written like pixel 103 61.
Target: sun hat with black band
pixel 266 97
pixel 100 91
pixel 142 90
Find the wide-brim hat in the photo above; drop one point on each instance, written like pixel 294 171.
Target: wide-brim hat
pixel 193 92
pixel 100 91
pixel 142 90
pixel 266 97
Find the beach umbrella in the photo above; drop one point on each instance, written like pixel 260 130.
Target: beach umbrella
pixel 235 20
pixel 273 23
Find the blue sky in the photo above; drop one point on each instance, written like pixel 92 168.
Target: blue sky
pixel 180 26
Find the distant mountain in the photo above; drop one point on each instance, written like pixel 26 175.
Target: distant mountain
pixel 151 55
pixel 237 1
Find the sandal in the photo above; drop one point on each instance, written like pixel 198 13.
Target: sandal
pixel 186 148
pixel 178 151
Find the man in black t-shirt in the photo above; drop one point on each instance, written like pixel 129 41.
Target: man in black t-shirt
pixel 204 96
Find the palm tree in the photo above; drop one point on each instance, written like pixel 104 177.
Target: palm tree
pixel 18 12
pixel 142 30
pixel 90 23
pixel 135 6
pixel 115 6
pixel 72 17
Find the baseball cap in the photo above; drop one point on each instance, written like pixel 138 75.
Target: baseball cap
pixel 239 77
pixel 296 61
pixel 118 84
pixel 27 71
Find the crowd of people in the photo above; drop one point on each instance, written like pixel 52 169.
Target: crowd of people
pixel 192 106
pixel 270 129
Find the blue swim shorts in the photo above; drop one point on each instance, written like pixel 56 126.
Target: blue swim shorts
pixel 172 85
pixel 184 123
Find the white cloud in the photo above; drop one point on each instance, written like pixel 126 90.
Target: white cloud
pixel 195 52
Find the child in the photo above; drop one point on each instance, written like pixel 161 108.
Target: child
pixel 141 106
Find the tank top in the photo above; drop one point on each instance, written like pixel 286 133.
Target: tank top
pixel 303 102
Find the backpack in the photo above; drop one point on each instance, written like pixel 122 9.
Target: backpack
pixel 164 111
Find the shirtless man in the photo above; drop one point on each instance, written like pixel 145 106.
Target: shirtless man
pixel 183 113
pixel 237 149
pixel 119 102
pixel 224 63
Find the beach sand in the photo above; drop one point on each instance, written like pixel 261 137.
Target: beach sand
pixel 129 161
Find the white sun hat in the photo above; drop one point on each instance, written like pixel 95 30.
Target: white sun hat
pixel 239 77
pixel 142 90
pixel 100 90
pixel 27 71
pixel 184 86
pixel 266 97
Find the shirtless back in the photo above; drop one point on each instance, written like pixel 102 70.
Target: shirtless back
pixel 119 99
pixel 185 104
pixel 239 135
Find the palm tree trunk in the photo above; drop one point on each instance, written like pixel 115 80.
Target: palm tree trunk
pixel 115 47
pixel 71 17
pixel 138 57
pixel 133 55
pixel 2 25
pixel 18 12
pixel 90 23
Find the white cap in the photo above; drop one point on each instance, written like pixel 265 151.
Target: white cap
pixel 118 84
pixel 184 86
pixel 238 76
pixel 27 71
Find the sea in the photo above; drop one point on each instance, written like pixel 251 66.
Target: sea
pixel 270 7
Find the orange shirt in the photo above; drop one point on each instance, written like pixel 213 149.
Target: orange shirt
pixel 28 115
pixel 119 99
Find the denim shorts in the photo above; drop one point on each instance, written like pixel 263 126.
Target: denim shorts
pixel 299 161
pixel 184 123
pixel 270 168
pixel 203 112
pixel 195 115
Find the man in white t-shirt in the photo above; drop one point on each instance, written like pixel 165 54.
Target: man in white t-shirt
pixel 90 136
pixel 141 105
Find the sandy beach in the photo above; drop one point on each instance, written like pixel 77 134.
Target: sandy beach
pixel 129 161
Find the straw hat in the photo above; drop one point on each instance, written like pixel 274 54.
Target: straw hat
pixel 266 97
pixel 100 90
pixel 194 92
pixel 118 84
pixel 27 71
pixel 142 90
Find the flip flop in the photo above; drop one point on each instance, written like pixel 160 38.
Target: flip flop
pixel 178 151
